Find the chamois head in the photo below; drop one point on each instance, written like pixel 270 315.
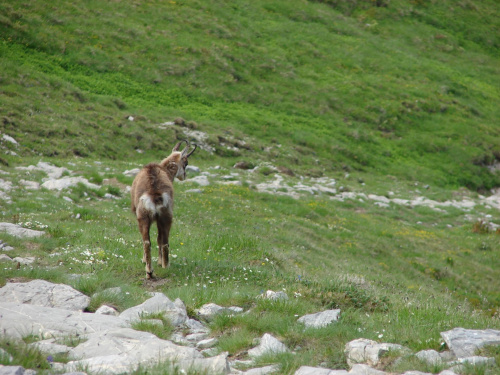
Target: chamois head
pixel 181 158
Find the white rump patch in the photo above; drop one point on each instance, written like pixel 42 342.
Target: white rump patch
pixel 148 204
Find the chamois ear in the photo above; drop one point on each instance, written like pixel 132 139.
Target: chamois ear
pixel 178 145
pixel 184 152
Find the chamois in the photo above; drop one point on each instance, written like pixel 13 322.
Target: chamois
pixel 153 200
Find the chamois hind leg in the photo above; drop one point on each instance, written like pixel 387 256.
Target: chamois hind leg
pixel 163 234
pixel 160 244
pixel 144 225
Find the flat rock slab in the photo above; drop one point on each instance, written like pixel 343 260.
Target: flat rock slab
pixel 124 350
pixel 356 370
pixel 321 319
pixel 159 303
pixel 465 342
pixel 44 293
pixel 268 345
pixel 67 182
pixel 20 320
pixel 19 231
pixel 307 370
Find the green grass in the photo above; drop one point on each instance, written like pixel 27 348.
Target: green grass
pixel 391 98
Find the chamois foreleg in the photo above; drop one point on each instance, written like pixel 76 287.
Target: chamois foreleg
pixel 144 226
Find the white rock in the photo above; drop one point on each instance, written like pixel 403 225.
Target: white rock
pixel 52 171
pixel 8 138
pixel 50 347
pixel 274 296
pixel 67 182
pixel 368 351
pixel 30 185
pixel 194 191
pixel 432 357
pixel 465 342
pixel 19 231
pixel 477 360
pixel 11 370
pixel 5 258
pixel 268 345
pixel 262 370
pixel 107 310
pixel 123 350
pixel 200 180
pixel 210 310
pixel 195 326
pixel 195 337
pixel 24 261
pixel 20 320
pixel 160 303
pixel 320 319
pixel 365 370
pixel 5 356
pixel 207 343
pixel 44 293
pixel 132 172
pixel 306 370
pixel 192 169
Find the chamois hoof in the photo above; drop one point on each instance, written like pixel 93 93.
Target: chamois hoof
pixel 149 275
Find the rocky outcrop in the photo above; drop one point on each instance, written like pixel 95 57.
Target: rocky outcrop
pixel 465 342
pixel 19 231
pixel 44 293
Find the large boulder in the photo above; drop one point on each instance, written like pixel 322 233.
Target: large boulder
pixel 44 293
pixel 465 342
pixel 20 320
pixel 124 350
pixel 19 231
pixel 159 303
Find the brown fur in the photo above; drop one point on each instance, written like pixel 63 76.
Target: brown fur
pixel 152 197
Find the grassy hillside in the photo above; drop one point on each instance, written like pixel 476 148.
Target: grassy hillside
pixel 407 88
pixel 399 99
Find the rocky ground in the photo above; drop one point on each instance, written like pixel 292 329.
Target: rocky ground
pixel 110 345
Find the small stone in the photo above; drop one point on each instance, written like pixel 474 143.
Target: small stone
pixel 132 172
pixel 194 191
pixel 274 296
pixel 243 165
pixel 5 258
pixel 192 169
pixel 321 319
pixel 24 261
pixel 207 343
pixel 8 138
pixel 268 344
pixel 210 310
pixel 196 337
pixel 5 356
pixel 200 180
pixel 107 310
